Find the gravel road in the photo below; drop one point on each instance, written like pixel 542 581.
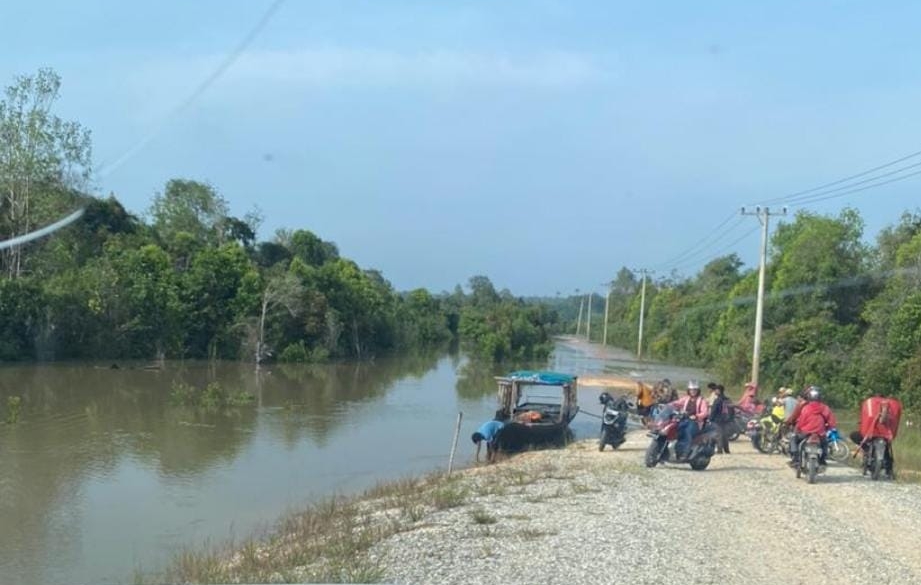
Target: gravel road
pixel 579 516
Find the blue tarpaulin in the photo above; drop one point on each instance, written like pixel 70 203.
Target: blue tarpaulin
pixel 542 378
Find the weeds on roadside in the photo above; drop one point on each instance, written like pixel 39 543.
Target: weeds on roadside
pixel 482 517
pixel 449 496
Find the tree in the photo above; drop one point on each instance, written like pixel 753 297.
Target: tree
pixel 41 158
pixel 209 297
pixel 281 292
pixel 189 212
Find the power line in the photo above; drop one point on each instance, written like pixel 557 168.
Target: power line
pixel 230 59
pixel 705 241
pixel 844 180
pixel 693 257
pixel 819 196
pixel 722 251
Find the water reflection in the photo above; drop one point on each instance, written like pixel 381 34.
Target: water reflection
pixel 103 474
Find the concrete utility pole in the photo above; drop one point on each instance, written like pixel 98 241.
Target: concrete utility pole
pixel 579 322
pixel 607 303
pixel 764 215
pixel 639 343
pixel 588 323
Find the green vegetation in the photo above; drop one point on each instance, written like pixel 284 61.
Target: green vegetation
pixel 838 312
pixel 193 280
pixel 13 408
pixel 211 397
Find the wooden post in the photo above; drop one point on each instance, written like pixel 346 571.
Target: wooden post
pixel 460 415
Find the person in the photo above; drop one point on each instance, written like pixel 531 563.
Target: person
pixel 811 417
pixel 720 415
pixel 697 410
pixel 879 419
pixel 789 402
pixel 748 403
pixel 644 401
pixel 488 432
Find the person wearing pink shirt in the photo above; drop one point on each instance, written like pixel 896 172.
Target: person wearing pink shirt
pixel 696 408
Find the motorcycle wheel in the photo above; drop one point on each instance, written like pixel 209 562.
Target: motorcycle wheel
pixel 734 431
pixel 652 454
pixel 879 459
pixel 838 451
pixel 813 469
pixel 766 444
pixel 699 463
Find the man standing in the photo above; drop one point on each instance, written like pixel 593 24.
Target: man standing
pixel 720 415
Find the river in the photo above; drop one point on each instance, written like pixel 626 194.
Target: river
pixel 103 475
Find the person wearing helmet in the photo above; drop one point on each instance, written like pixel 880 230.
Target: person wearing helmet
pixel 697 410
pixel 811 417
pixel 789 402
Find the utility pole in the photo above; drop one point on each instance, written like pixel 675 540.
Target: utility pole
pixel 607 303
pixel 588 323
pixel 639 343
pixel 579 322
pixel 764 215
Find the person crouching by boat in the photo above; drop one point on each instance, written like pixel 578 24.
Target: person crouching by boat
pixel 488 432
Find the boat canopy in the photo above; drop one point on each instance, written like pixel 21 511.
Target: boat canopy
pixel 541 378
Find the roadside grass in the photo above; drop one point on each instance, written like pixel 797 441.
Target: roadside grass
pixel 330 541
pixel 534 533
pixel 482 517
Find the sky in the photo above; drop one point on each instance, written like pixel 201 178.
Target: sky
pixel 543 144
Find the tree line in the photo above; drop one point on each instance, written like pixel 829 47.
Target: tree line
pixel 839 312
pixel 191 280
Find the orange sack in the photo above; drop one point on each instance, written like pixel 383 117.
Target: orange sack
pixel 879 417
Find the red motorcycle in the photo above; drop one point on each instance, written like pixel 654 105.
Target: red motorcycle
pixel 664 433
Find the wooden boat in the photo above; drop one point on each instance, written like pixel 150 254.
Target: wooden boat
pixel 537 407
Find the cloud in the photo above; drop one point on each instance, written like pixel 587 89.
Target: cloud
pixel 338 67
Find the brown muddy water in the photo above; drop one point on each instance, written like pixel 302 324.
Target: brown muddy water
pixel 103 475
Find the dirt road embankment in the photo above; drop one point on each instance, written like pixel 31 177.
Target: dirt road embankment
pixel 579 516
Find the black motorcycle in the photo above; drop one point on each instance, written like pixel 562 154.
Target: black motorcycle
pixel 613 421
pixel 809 460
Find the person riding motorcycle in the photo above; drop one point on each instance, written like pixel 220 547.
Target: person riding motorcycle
pixel 696 408
pixel 811 417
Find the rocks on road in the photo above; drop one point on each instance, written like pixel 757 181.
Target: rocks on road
pixel 581 516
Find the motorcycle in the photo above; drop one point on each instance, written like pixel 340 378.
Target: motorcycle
pixel 664 434
pixel 766 434
pixel 613 421
pixel 837 448
pixel 877 457
pixel 808 462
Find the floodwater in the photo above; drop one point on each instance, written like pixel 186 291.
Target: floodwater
pixel 103 475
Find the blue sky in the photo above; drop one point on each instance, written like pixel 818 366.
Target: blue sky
pixel 543 143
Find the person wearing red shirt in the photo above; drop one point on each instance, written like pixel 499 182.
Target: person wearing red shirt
pixel 811 417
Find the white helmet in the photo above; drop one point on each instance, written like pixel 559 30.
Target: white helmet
pixel 693 385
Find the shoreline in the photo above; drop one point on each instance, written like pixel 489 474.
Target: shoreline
pixel 561 515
